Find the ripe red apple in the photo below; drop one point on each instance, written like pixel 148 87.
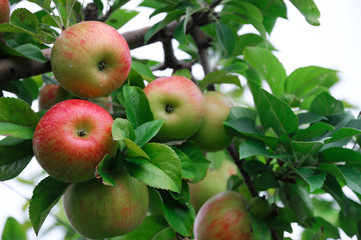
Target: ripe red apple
pixel 215 182
pixel 72 138
pixel 99 211
pixel 90 59
pixel 180 103
pixel 51 94
pixel 211 136
pixel 4 11
pixel 223 217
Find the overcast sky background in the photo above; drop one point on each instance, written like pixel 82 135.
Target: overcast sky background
pixel 335 44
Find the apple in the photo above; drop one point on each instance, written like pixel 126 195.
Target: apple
pixel 180 103
pixel 211 136
pixel 214 182
pixel 72 138
pixel 98 211
pixel 259 207
pixel 4 11
pixel 90 59
pixel 51 94
pixel 223 217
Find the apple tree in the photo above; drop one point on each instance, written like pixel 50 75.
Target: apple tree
pixel 186 155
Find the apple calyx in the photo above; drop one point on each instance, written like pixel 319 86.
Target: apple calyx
pixel 102 65
pixel 169 108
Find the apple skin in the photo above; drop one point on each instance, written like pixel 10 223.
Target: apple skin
pixel 214 182
pixel 4 11
pixel 97 211
pixel 51 94
pixel 72 138
pixel 223 217
pixel 211 136
pixel 90 59
pixel 180 103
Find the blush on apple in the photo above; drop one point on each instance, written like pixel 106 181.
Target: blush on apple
pixel 72 138
pixel 4 11
pixel 180 103
pixel 90 59
pixel 99 211
pixel 51 94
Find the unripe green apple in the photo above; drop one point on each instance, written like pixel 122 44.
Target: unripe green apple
pixel 214 182
pixel 223 217
pixel 51 94
pixel 90 59
pixel 4 11
pixel 97 211
pixel 259 207
pixel 180 103
pixel 211 136
pixel 72 138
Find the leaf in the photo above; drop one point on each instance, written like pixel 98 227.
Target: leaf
pixel 148 229
pixel 45 195
pixel 226 37
pixel 253 148
pixel 195 154
pixel 15 130
pixel 188 169
pixel 343 133
pixel 13 230
pixel 255 167
pixel 181 30
pixel 133 150
pixel 314 131
pixel 314 179
pixel 324 104
pixel 145 132
pixel 309 117
pixel 14 168
pixel 309 10
pixel 136 105
pixel 220 76
pixel 118 3
pixel 265 181
pixel 241 112
pixel 25 20
pixel 163 169
pixel 268 66
pixel 26 50
pixel 7 27
pixel 13 110
pixel 274 113
pixel 340 155
pixel 352 177
pixel 120 17
pixel 260 229
pixel 104 169
pixel 135 79
pixel 122 129
pixel 306 148
pixel 143 70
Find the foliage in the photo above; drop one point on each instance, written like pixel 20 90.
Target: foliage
pixel 294 145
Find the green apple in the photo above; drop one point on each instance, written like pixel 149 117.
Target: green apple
pixel 51 94
pixel 259 207
pixel 180 103
pixel 214 182
pixel 4 11
pixel 223 217
pixel 72 138
pixel 90 59
pixel 99 211
pixel 212 136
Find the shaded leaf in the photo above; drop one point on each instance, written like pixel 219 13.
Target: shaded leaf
pixel 309 10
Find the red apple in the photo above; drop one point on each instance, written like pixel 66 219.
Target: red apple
pixel 51 94
pixel 72 138
pixel 90 59
pixel 4 11
pixel 211 136
pixel 99 211
pixel 215 182
pixel 180 103
pixel 223 217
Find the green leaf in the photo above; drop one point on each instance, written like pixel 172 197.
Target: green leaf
pixel 314 179
pixel 343 133
pixel 226 37
pixel 255 167
pixel 163 169
pixel 145 132
pixel 181 30
pixel 13 230
pixel 24 19
pixel 179 217
pixel 309 10
pixel 325 104
pixel 306 148
pixel 26 50
pixel 120 17
pixel 15 130
pixel 304 81
pixel 7 27
pixel 268 66
pixel 274 113
pixel 14 168
pixel 314 131
pixel 266 180
pixel 352 177
pixel 45 195
pixel 13 110
pixel 135 79
pixel 195 154
pixel 309 117
pixel 340 155
pixel 104 170
pixel 241 112
pixel 260 229
pixel 13 149
pixel 117 4
pixel 122 129
pixel 188 169
pixel 143 70
pixel 133 150
pixel 136 105
pixel 220 76
pixel 149 228
pixel 253 148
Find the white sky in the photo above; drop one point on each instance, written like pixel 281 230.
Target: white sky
pixel 335 44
